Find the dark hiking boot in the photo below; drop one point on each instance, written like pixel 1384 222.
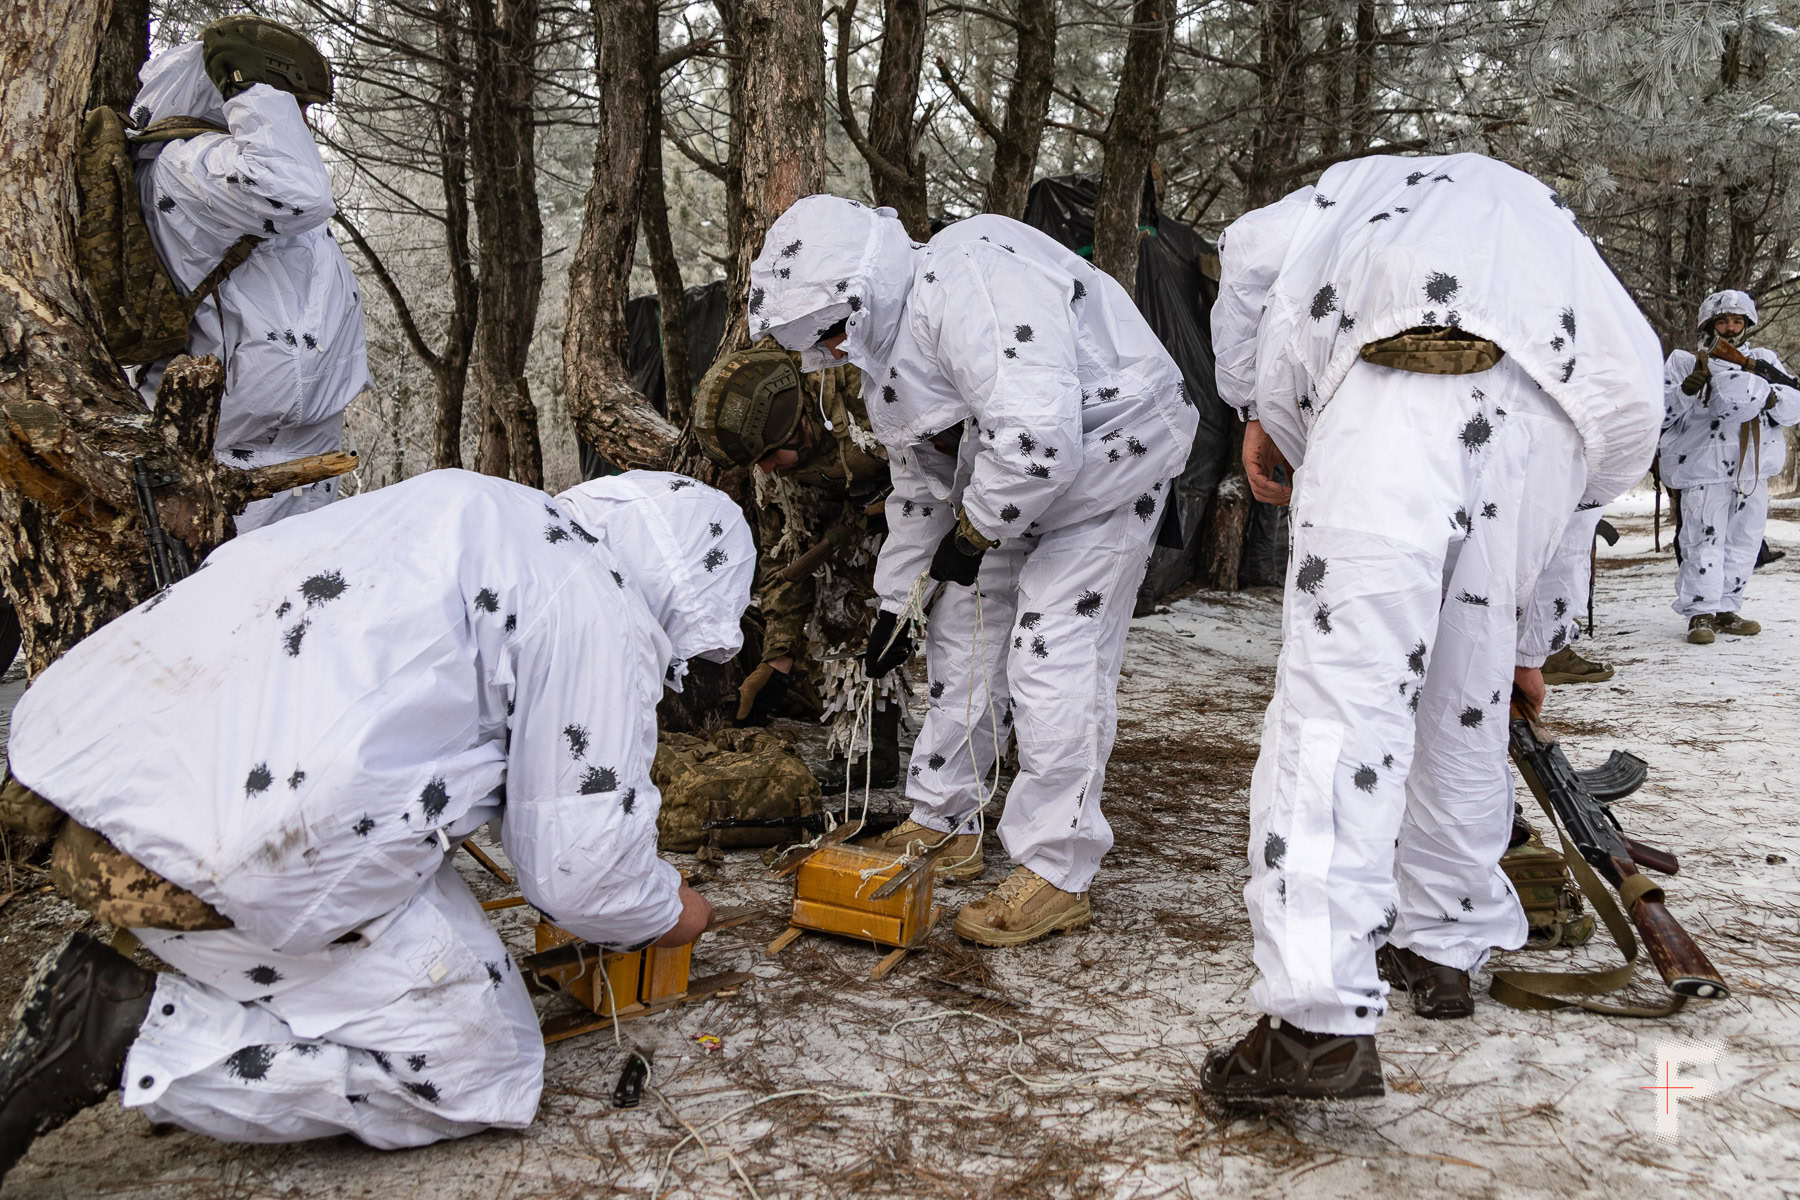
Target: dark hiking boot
pixel 883 772
pixel 1438 992
pixel 1566 666
pixel 1276 1059
pixel 1735 625
pixel 79 1013
pixel 1700 629
pixel 1764 557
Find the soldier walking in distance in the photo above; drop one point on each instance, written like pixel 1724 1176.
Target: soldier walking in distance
pixel 818 470
pixel 1724 407
pixel 1448 400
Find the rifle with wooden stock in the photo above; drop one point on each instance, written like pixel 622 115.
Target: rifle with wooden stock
pixel 1596 836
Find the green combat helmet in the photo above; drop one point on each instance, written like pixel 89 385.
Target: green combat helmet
pixel 246 49
pixel 747 405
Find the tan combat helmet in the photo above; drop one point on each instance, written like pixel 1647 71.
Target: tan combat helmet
pixel 257 50
pixel 748 404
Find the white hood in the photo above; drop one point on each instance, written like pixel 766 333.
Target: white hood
pixel 684 547
pixel 175 84
pixel 825 260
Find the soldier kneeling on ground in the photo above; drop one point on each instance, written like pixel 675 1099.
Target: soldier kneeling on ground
pixel 262 773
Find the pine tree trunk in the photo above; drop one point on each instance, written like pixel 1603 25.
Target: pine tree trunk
pixel 1027 107
pixel 72 546
pixel 1131 139
pixel 896 170
pixel 778 130
pixel 609 413
pixel 124 48
pixel 503 152
pixel 452 375
pixel 665 268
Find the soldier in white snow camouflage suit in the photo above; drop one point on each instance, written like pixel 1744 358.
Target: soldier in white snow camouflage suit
pixel 1451 369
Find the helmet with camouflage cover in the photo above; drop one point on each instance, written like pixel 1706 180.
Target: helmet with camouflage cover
pixel 246 49
pixel 748 404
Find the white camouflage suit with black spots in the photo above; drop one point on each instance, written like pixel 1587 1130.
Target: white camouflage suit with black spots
pixel 301 732
pixel 288 323
pixel 1073 421
pixel 1425 508
pixel 1721 471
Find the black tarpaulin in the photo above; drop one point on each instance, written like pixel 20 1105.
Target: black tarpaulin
pixel 705 317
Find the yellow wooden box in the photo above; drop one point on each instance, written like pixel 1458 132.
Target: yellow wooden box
pixel 832 894
pixel 624 970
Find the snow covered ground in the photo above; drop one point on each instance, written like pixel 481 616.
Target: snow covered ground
pixel 1071 1068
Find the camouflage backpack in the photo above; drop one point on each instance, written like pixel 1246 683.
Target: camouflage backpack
pixel 142 311
pixel 734 774
pixel 1552 903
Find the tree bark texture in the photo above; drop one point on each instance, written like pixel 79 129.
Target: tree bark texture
pixel 1027 108
pixel 608 412
pixel 1131 139
pixel 451 374
pixel 72 546
pixel 778 129
pixel 503 154
pixel 890 147
pixel 665 268
pixel 124 48
pixel 1275 145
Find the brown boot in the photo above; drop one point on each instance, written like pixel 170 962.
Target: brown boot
pixel 1438 992
pixel 1024 908
pixel 961 861
pixel 1735 625
pixel 1275 1059
pixel 1566 666
pixel 1700 629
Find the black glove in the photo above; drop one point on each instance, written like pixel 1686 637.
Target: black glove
pixel 956 560
pixel 761 694
pixel 1696 378
pixel 878 661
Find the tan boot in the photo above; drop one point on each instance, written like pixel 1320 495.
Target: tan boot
pixel 961 861
pixel 1024 908
pixel 1700 629
pixel 1566 666
pixel 1735 625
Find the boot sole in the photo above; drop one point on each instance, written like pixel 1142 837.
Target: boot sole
pixel 1561 677
pixel 1075 918
pixel 1362 1089
pixel 1700 641
pixel 1741 632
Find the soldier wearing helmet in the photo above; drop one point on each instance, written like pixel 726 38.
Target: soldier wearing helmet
pixel 287 322
pixel 818 469
pixel 1724 406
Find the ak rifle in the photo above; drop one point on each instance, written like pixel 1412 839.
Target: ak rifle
pixel 169 559
pixel 1756 366
pixel 1596 835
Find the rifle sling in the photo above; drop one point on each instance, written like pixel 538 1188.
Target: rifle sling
pixel 1549 990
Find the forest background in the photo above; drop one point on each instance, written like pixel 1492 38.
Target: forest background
pixel 1669 127
pixel 509 172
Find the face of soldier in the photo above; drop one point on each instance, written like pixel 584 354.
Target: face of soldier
pixel 1728 325
pixel 835 345
pixel 791 454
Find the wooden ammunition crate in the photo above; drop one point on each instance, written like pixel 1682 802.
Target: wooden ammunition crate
pixel 581 981
pixel 832 895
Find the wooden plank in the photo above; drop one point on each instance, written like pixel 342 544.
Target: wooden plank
pixel 788 937
pixel 924 864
